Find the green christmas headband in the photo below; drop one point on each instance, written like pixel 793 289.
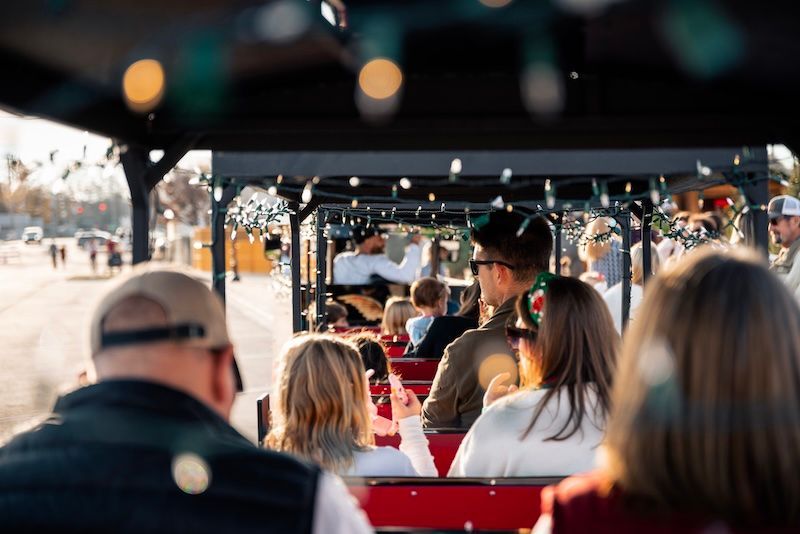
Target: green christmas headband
pixel 536 296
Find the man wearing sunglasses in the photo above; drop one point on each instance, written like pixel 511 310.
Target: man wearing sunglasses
pixel 784 226
pixel 149 447
pixel 505 265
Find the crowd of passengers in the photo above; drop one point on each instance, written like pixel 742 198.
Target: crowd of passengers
pixel 688 422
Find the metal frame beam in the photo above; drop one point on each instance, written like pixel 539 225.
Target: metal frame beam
pixel 626 162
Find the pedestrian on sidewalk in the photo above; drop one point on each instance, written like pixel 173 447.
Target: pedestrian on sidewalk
pixel 63 252
pixel 93 255
pixel 54 253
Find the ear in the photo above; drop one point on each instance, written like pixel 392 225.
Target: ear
pixel 223 384
pixel 504 274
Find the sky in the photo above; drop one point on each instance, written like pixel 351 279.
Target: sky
pixel 32 139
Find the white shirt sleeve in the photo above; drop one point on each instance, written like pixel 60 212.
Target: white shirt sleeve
pixel 335 510
pixel 403 273
pixel 414 444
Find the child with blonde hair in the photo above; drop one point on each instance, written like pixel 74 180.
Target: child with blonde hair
pixel 397 311
pixel 322 413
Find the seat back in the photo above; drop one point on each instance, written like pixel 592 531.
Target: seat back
pixel 420 387
pixel 443 444
pixel 385 406
pixel 414 368
pixel 468 504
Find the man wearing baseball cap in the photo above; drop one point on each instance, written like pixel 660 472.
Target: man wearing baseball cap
pixel 784 226
pixel 148 447
pixel 368 263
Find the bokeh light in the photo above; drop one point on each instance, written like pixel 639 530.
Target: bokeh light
pixel 542 89
pixel 143 85
pixel 495 3
pixel 380 78
pixel 493 365
pixel 191 473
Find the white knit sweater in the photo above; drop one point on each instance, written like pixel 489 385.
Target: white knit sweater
pixel 494 448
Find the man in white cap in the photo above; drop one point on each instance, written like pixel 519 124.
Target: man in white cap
pixel 784 226
pixel 148 447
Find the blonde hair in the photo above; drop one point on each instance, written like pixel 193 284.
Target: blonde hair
pixel 706 404
pixel 637 262
pixel 322 401
pixel 397 311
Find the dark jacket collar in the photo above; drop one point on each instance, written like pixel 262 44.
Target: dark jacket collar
pixel 500 315
pixel 145 398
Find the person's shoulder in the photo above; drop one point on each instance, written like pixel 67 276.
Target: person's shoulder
pixel 383 461
pixel 582 496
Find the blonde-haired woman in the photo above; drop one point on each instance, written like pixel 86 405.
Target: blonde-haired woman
pixel 322 413
pixel 396 313
pixel 704 433
pixel 602 251
pixel 554 424
pixel 613 296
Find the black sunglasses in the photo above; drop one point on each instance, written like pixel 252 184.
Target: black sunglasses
pixel 514 335
pixel 473 264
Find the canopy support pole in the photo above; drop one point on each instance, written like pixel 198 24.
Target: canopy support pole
pixel 142 176
pixel 218 260
pixel 647 223
pixel 294 225
pixel 624 220
pixel 322 256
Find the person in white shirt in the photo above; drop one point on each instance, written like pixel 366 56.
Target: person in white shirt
pixel 321 413
pixel 553 424
pixel 613 296
pixel 368 261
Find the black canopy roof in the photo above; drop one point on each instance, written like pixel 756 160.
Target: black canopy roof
pixel 644 73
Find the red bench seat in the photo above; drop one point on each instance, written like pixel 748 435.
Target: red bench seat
pixel 468 504
pixel 415 368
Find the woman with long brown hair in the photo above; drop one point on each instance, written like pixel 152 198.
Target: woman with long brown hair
pixel 321 413
pixel 704 433
pixel 567 346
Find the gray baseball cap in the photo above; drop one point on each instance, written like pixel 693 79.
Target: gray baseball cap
pixel 784 205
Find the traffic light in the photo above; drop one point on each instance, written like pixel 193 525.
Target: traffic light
pixel 102 207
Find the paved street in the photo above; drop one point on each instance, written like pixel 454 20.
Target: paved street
pixel 44 318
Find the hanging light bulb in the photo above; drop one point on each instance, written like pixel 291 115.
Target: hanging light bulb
pixel 655 196
pixel 272 191
pixel 217 193
pixel 549 194
pixel 354 181
pixel 279 179
pixel 505 177
pixel 233 233
pixel 455 169
pixel 307 194
pixel 405 183
pixel 250 236
pixel 628 188
pixel 431 197
pixel 354 203
pixel 604 199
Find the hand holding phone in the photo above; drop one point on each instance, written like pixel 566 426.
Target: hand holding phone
pixel 397 388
